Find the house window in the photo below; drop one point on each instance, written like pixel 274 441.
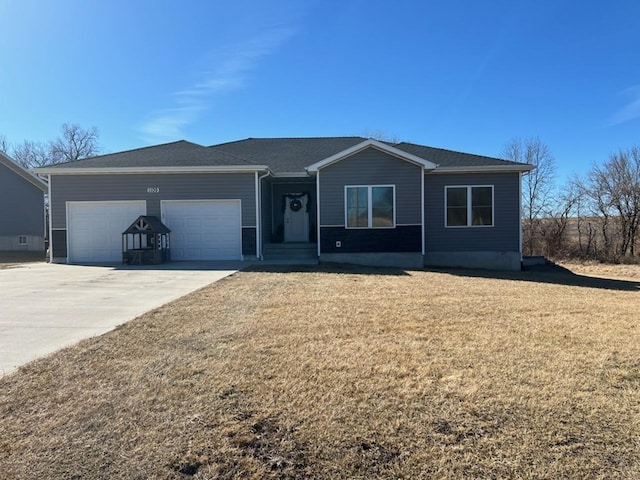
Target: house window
pixel 370 206
pixel 469 206
pixel 22 240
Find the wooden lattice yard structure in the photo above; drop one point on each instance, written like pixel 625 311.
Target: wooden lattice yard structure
pixel 146 241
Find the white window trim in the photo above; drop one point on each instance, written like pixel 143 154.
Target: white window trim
pixel 369 209
pixel 469 206
pixel 26 240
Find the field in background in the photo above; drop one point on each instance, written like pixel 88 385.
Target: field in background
pixel 340 372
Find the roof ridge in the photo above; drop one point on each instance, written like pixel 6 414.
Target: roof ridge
pixel 289 138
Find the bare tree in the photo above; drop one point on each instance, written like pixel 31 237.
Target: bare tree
pixel 31 154
pixel 614 188
pixel 74 143
pixel 537 185
pixel 556 228
pixel 4 144
pixel 381 136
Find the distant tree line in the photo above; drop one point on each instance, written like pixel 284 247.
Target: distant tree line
pixel 592 216
pixel 73 143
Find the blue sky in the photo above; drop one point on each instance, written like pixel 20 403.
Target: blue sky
pixel 463 74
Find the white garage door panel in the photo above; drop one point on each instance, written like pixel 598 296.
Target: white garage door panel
pixel 204 229
pixel 95 229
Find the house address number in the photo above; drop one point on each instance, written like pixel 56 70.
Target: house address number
pixel 153 189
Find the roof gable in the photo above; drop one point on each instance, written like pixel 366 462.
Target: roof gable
pixel 371 143
pixel 22 172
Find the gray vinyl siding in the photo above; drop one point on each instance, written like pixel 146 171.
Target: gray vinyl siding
pixel 504 236
pixel 371 167
pixel 187 186
pixel 21 205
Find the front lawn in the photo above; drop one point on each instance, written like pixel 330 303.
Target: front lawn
pixel 338 372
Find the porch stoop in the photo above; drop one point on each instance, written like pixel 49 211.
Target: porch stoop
pixel 290 252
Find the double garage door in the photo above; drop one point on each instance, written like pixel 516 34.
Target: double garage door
pixel 200 229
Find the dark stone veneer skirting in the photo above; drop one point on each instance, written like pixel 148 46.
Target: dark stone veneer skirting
pixel 399 239
pixel 249 241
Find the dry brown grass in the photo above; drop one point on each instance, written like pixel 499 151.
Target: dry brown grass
pixel 10 259
pixel 344 373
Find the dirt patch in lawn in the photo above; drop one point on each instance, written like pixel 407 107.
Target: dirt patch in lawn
pixel 10 259
pixel 343 373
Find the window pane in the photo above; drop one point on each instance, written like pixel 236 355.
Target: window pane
pixel 481 207
pixel 382 216
pixel 457 217
pixel 481 216
pixel 457 207
pixel 457 197
pixel 481 196
pixel 382 196
pixel 357 207
pixel 382 206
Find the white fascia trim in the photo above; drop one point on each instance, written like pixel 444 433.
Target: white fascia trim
pixel 484 169
pixel 402 155
pixel 121 170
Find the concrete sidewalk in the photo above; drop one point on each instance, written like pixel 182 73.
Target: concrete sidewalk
pixel 44 307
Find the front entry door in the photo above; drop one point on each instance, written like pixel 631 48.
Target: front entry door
pixel 296 217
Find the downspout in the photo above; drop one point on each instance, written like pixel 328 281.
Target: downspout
pixel 422 219
pixel 318 210
pixel 520 216
pixel 50 221
pixel 259 214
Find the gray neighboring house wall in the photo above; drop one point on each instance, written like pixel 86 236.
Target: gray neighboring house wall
pixel 355 200
pixel 22 208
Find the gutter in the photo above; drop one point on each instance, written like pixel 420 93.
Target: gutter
pixel 130 170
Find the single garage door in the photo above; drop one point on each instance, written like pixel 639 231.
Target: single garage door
pixel 204 229
pixel 94 229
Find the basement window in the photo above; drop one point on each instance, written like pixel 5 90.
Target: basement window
pixel 22 240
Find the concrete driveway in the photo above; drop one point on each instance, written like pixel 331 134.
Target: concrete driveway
pixel 44 307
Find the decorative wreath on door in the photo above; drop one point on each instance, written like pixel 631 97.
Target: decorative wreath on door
pixel 295 205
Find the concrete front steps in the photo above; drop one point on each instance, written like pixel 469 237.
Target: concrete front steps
pixel 306 253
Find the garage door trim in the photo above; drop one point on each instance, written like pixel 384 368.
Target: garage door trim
pixel 70 204
pixel 236 202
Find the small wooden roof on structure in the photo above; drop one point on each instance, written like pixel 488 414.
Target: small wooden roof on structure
pixel 147 224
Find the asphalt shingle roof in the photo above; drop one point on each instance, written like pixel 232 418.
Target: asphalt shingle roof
pixel 175 154
pixel 450 158
pixel 281 155
pixel 288 155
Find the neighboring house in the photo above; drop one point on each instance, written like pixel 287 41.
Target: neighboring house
pixel 344 199
pixel 22 208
